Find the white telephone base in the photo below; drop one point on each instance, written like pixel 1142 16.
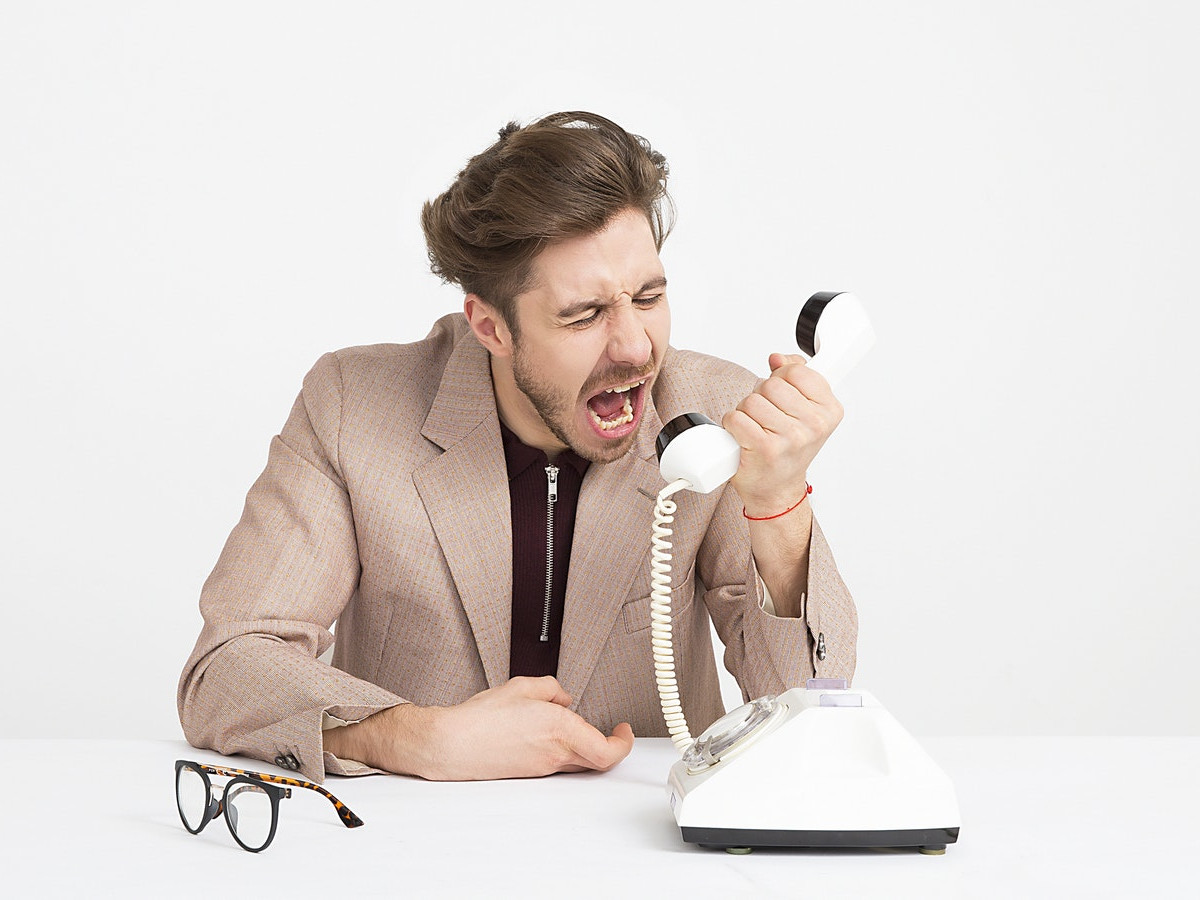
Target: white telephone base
pixel 820 766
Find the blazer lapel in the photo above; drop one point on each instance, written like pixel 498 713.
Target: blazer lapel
pixel 465 492
pixel 611 543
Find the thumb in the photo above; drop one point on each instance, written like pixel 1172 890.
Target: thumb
pixel 777 360
pixel 623 735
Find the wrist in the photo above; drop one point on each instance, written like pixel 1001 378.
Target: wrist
pixel 394 739
pixel 775 507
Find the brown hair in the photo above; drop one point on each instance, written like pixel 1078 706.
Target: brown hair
pixel 562 176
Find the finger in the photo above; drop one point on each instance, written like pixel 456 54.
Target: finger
pixel 786 390
pixel 620 744
pixel 807 380
pixel 623 736
pixel 545 688
pixel 591 747
pixel 744 429
pixel 768 413
pixel 800 411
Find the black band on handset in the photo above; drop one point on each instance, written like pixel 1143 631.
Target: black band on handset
pixel 806 324
pixel 676 427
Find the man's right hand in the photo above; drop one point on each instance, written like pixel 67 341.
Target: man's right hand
pixel 521 729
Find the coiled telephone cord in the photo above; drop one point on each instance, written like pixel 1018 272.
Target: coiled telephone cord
pixel 660 616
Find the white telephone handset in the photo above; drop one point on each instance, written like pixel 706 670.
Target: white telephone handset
pixel 833 329
pixel 694 453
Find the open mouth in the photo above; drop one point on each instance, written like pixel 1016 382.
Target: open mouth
pixel 614 410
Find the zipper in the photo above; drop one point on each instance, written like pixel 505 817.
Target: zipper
pixel 551 499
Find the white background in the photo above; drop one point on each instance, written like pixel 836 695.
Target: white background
pixel 197 200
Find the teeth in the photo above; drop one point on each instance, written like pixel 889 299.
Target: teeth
pixel 624 390
pixel 624 418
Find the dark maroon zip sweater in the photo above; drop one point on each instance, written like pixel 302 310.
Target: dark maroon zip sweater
pixel 528 488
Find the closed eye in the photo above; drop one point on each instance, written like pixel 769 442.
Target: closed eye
pixel 645 302
pixel 584 322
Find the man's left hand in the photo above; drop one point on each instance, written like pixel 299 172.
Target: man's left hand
pixel 781 426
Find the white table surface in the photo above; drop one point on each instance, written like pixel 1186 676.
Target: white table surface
pixel 1042 817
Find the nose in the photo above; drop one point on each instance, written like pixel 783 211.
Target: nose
pixel 628 342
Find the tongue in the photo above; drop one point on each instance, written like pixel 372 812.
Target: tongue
pixel 606 406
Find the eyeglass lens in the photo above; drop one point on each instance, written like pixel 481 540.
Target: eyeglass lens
pixel 192 791
pixel 248 810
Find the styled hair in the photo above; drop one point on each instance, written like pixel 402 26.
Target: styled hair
pixel 563 176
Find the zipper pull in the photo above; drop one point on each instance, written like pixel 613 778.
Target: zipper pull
pixel 551 498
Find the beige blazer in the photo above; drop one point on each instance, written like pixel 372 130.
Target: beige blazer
pixel 384 508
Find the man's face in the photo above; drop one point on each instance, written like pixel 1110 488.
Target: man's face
pixel 592 334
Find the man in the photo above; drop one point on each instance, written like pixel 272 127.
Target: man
pixel 473 510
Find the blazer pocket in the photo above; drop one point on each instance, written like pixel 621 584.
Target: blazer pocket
pixel 636 612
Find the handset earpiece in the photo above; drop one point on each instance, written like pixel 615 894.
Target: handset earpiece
pixel 834 331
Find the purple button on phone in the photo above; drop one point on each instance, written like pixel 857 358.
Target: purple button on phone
pixel 826 684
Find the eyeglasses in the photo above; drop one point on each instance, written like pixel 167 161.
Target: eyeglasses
pixel 250 802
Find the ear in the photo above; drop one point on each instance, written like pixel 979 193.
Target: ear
pixel 489 326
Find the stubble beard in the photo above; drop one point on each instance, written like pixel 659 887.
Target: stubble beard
pixel 557 411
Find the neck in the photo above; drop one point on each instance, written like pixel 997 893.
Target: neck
pixel 518 413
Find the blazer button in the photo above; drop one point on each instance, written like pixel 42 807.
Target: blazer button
pixel 281 762
pixel 821 645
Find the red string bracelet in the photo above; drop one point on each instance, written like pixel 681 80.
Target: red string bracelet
pixel 784 513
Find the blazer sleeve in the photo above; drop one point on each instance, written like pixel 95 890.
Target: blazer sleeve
pixel 253 684
pixel 768 654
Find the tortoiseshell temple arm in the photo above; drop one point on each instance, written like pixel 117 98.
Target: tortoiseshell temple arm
pixel 349 819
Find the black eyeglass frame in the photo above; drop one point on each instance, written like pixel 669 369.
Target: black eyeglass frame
pixel 276 787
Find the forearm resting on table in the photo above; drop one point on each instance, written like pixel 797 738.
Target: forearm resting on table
pixel 781 548
pixel 394 739
pixel 523 728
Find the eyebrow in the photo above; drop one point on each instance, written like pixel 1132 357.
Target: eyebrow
pixel 579 306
